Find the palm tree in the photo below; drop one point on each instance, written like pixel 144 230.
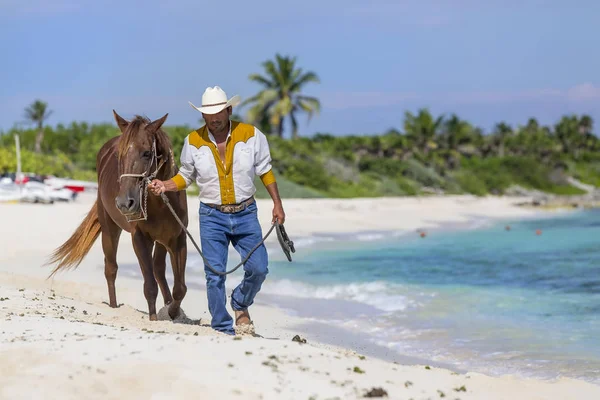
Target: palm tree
pixel 422 129
pixel 532 126
pixel 37 113
pixel 502 131
pixel 280 96
pixel 567 132
pixel 586 124
pixel 457 132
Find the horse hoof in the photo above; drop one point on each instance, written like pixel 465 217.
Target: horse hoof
pixel 153 317
pixel 174 314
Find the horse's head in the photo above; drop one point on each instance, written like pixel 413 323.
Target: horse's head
pixel 143 150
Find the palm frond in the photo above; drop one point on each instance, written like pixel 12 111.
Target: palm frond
pixel 252 99
pixel 307 108
pixel 37 112
pixel 274 72
pixel 303 80
pixel 264 96
pixel 313 102
pixel 262 80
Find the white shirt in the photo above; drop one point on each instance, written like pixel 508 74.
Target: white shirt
pixel 247 155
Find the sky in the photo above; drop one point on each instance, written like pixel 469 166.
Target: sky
pixel 487 61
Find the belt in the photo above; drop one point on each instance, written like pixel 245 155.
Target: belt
pixel 232 208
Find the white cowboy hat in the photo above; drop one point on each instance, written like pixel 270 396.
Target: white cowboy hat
pixel 214 100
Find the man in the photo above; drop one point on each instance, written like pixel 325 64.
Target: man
pixel 225 156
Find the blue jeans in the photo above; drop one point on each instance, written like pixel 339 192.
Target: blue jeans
pixel 242 229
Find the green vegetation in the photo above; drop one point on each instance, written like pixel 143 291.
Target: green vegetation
pixel 413 162
pixel 432 154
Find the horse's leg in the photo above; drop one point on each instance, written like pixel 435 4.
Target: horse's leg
pixel 110 242
pixel 142 245
pixel 160 265
pixel 178 254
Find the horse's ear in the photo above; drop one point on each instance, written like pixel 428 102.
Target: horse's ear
pixel 155 125
pixel 121 123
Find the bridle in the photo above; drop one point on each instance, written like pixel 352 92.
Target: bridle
pixel 146 178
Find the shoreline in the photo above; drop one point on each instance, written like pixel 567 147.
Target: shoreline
pixel 326 333
pixel 276 368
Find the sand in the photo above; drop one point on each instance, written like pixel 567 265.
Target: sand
pixel 59 338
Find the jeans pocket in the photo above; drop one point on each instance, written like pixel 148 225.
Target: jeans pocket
pixel 252 208
pixel 205 210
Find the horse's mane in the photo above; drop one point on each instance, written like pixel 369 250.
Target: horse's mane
pixel 163 142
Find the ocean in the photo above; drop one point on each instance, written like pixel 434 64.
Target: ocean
pixel 523 301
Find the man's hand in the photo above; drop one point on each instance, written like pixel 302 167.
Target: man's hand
pixel 277 206
pixel 157 187
pixel 278 213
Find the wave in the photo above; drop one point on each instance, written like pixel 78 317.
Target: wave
pixel 384 296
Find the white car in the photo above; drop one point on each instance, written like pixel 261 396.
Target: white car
pixel 36 192
pixel 63 194
pixel 8 190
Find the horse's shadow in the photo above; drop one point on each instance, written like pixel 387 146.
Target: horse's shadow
pixel 180 319
pixel 118 305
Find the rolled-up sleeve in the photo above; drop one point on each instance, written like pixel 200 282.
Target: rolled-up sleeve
pixel 262 157
pixel 187 171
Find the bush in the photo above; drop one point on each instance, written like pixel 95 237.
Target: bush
pixel 58 164
pixel 586 172
pixel 497 174
pixel 287 190
pixel 407 187
pixel 305 173
pixel 470 183
pixel 380 165
pixel 426 176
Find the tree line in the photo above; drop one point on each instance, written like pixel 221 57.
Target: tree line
pixel 426 154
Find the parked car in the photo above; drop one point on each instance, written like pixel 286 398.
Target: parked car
pixel 36 192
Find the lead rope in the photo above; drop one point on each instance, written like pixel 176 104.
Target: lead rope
pixel 166 200
pixel 144 192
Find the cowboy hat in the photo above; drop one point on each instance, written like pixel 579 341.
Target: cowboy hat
pixel 214 100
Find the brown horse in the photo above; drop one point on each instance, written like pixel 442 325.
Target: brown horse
pixel 124 165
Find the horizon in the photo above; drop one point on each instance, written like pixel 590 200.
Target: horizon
pixel 488 63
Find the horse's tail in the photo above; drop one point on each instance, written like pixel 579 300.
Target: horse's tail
pixel 70 254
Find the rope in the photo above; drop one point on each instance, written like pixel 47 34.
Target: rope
pixel 144 192
pixel 166 200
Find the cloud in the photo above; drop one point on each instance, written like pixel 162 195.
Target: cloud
pixel 585 92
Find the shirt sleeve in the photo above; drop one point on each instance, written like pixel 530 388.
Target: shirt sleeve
pixel 262 158
pixel 187 171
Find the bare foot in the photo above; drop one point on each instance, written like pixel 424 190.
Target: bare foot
pixel 244 325
pixel 242 318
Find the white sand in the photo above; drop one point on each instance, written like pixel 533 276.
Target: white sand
pixel 59 339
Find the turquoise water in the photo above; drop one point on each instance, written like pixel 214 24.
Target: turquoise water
pixel 488 299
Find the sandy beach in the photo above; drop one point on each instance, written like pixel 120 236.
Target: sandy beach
pixel 59 338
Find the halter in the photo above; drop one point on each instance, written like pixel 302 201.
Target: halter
pixel 146 179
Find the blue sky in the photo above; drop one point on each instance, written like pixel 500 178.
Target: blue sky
pixel 487 61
